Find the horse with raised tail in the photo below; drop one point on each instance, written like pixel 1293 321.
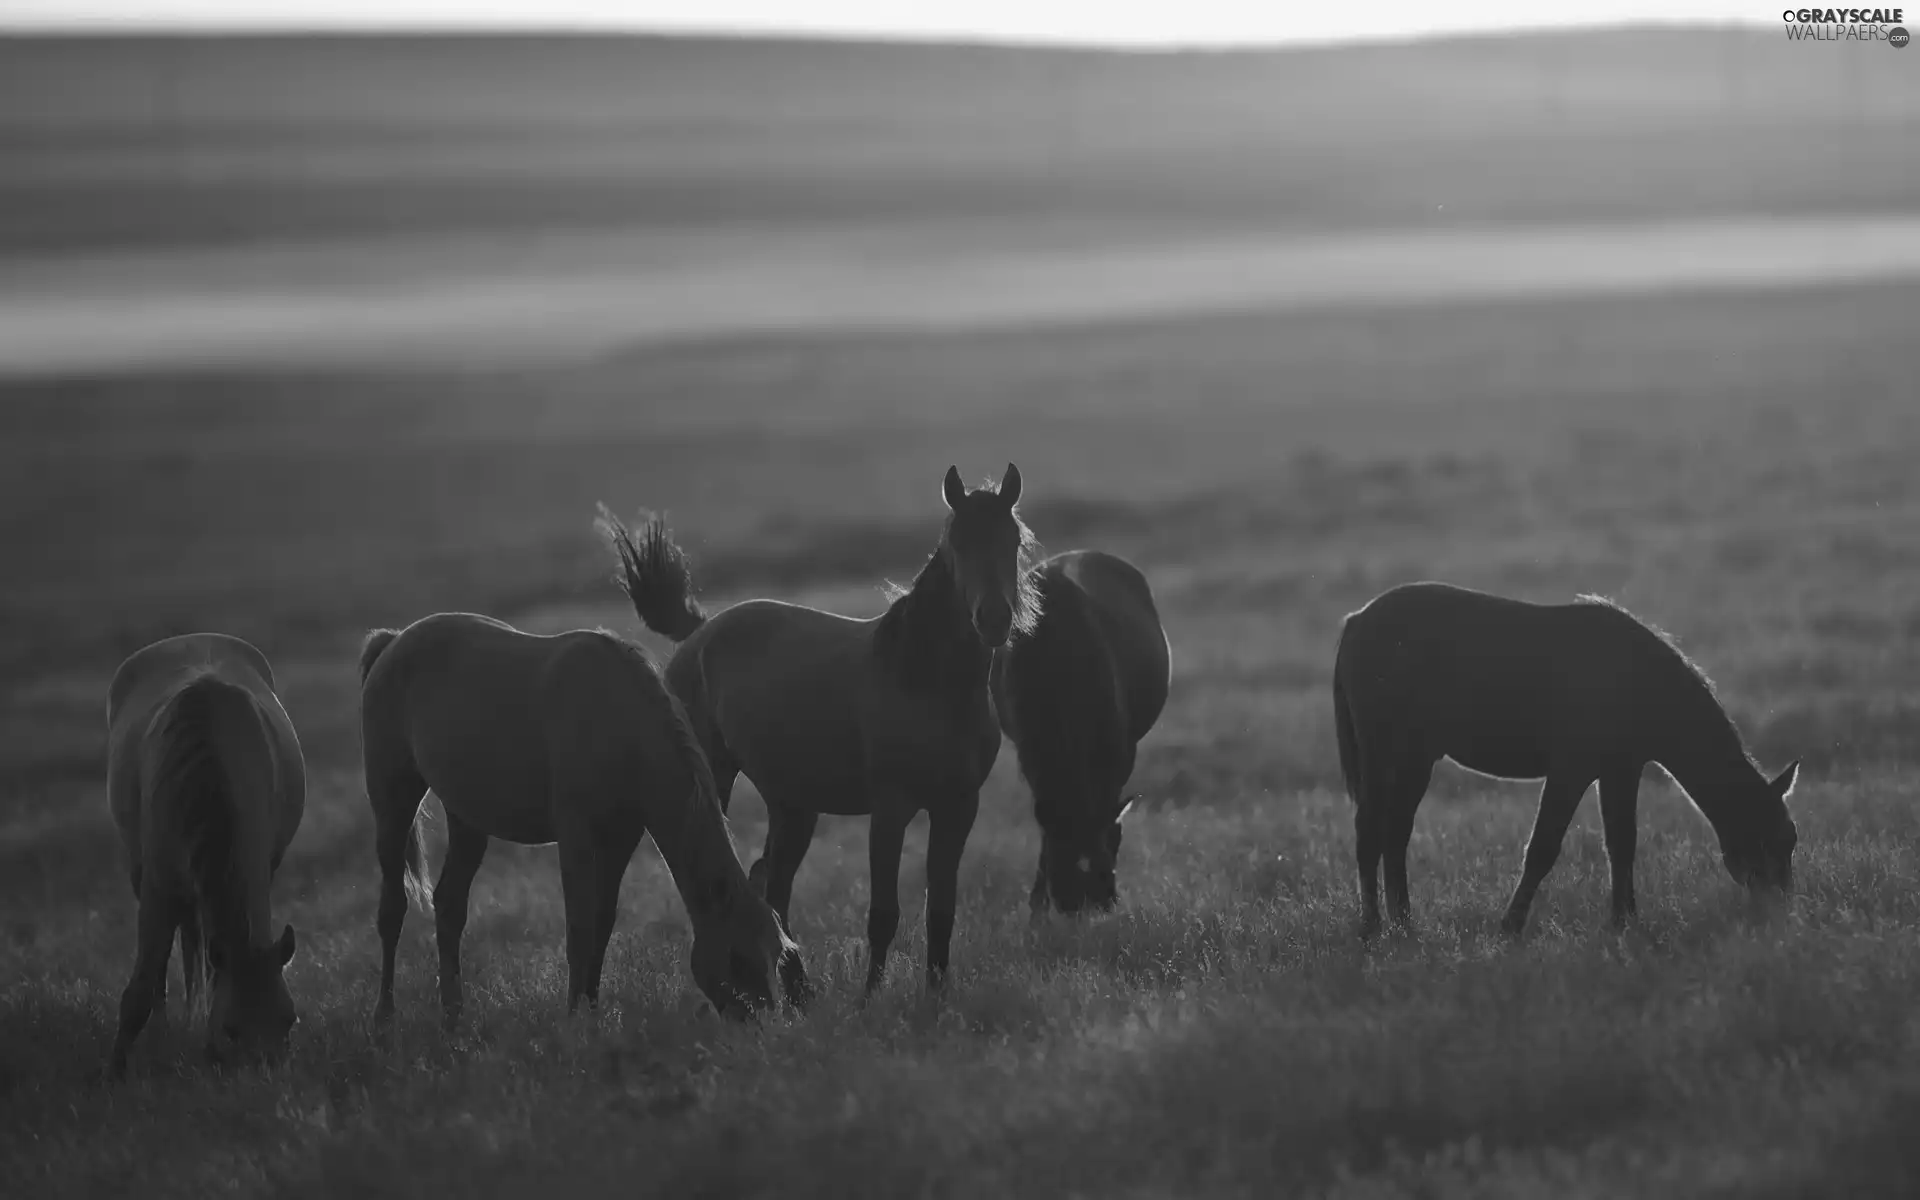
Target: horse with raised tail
pixel 880 718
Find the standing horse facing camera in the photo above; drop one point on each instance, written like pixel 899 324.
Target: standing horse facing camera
pixel 1076 695
pixel 1568 693
pixel 569 739
pixel 827 714
pixel 207 785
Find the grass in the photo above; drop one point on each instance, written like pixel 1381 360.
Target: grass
pixel 1735 468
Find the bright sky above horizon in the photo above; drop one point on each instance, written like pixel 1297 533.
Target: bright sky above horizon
pixel 1127 22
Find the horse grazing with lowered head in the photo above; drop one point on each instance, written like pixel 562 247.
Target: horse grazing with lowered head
pixel 207 785
pixel 1076 695
pixel 569 739
pixel 827 714
pixel 1568 693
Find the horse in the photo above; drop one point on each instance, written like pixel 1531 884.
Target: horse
pixel 881 717
pixel 1565 693
pixel 570 739
pixel 207 785
pixel 1075 697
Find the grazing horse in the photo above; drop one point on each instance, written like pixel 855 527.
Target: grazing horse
pixel 207 786
pixel 569 739
pixel 1076 696
pixel 828 714
pixel 1568 693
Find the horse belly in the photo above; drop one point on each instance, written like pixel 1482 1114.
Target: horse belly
pixel 808 756
pixel 935 756
pixel 505 795
pixel 1503 754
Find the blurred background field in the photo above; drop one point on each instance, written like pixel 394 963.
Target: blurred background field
pixel 1734 463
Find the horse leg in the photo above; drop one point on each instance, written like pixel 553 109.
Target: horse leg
pixel 1619 813
pixel 158 919
pixel 614 853
pixel 757 873
pixel 1559 797
pixel 948 827
pixel 726 772
pixel 395 797
pixel 789 834
pixel 190 952
pixel 1037 895
pixel 886 833
pixel 579 883
pixel 466 847
pixel 1410 780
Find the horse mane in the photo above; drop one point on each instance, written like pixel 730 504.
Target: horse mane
pixel 921 647
pixel 190 769
pixel 1065 701
pixel 1699 684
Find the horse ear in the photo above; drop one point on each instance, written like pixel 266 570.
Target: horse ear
pixel 1010 485
pixel 284 948
pixel 1783 782
pixel 952 488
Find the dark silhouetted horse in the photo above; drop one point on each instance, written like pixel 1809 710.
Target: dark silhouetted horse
pixel 1568 693
pixel 828 714
pixel 570 739
pixel 207 785
pixel 1076 695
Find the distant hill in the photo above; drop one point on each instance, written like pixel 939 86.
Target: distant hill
pixel 119 142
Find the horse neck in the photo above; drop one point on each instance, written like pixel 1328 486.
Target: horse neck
pixel 1068 713
pixel 1701 749
pixel 928 638
pixel 220 781
pixel 699 854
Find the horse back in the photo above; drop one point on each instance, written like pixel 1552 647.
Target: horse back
pixel 1119 602
pixel 247 728
pixel 1503 686
pixel 804 705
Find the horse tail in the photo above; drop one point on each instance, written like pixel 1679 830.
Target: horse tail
pixel 189 778
pixel 1345 735
pixel 371 649
pixel 654 574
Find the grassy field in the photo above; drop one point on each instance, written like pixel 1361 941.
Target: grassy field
pixel 1737 468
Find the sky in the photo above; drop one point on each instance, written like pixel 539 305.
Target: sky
pixel 1112 22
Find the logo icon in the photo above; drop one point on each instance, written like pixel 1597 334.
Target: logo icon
pixel 1898 36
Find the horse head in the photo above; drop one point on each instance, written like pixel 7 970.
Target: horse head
pixel 985 548
pixel 738 948
pixel 1759 854
pixel 1081 862
pixel 250 1013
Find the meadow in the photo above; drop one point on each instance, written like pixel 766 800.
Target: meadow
pixel 1734 467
